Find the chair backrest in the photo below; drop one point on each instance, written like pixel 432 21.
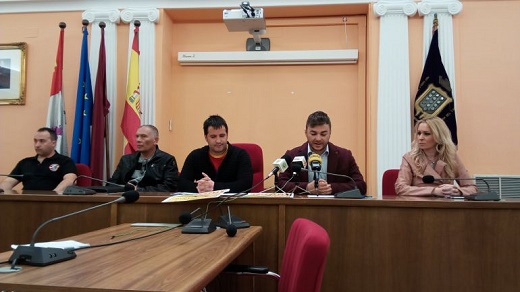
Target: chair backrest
pixel 257 162
pixel 304 257
pixel 83 169
pixel 389 178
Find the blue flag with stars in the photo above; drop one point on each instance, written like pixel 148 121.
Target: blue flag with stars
pixel 83 117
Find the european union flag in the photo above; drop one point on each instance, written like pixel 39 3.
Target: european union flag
pixel 83 116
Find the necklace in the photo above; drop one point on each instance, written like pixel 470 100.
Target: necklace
pixel 433 162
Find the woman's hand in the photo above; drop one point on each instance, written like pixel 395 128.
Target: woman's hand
pixel 447 189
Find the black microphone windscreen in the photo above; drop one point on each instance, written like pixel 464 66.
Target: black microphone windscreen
pixel 296 168
pixel 231 230
pixel 131 196
pixel 185 218
pixel 428 179
pixel 287 158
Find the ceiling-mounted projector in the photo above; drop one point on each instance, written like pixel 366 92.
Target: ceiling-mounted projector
pixel 248 19
pixel 239 20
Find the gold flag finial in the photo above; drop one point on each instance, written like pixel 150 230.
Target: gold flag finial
pixel 435 22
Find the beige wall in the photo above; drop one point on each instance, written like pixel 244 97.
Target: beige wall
pixel 40 31
pixel 268 105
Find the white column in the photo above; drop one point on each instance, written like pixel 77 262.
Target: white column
pixel 111 19
pixel 445 9
pixel 393 101
pixel 148 17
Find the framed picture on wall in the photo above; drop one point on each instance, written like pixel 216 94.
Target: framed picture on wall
pixel 13 59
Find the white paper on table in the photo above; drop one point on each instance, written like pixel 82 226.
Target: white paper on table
pixel 65 244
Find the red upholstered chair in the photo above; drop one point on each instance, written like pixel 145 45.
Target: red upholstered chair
pixel 304 258
pixel 83 169
pixel 303 263
pixel 389 178
pixel 257 162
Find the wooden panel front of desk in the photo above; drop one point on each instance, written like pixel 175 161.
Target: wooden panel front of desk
pixel 376 245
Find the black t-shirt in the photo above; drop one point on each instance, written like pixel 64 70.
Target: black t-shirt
pixel 46 175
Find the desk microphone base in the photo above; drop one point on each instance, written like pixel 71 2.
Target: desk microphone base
pixel 490 196
pixel 223 221
pixel 351 194
pixel 202 226
pixel 40 256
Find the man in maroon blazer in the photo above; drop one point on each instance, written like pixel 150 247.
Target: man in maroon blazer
pixel 334 160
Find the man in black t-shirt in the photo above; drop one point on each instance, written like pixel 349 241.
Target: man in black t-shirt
pixel 48 170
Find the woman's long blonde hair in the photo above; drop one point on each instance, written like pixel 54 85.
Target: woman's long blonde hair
pixel 445 148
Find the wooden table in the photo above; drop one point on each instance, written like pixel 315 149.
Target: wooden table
pixel 169 261
pixel 394 244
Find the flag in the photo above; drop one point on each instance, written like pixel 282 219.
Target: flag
pixel 132 111
pixel 99 114
pixel 56 111
pixel 434 96
pixel 83 116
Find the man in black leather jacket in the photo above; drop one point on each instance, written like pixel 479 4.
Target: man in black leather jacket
pixel 149 169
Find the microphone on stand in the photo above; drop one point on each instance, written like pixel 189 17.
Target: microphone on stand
pixel 186 217
pixel 480 196
pixel 280 165
pixel 231 229
pixel 44 256
pixel 298 163
pixel 315 163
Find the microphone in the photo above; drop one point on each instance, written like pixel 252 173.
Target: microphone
pixel 186 217
pixel 480 196
pixel 355 193
pixel 13 175
pixel 231 229
pixel 300 161
pixel 44 256
pixel 315 163
pixel 90 190
pixel 280 165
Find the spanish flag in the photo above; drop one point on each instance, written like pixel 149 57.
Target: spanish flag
pixel 132 112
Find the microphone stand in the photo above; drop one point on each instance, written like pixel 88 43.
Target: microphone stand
pixel 481 196
pixel 44 256
pixel 487 196
pixel 350 194
pixel 202 226
pixel 205 225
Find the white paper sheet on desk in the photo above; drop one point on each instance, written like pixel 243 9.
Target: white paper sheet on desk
pixel 261 195
pixel 183 197
pixel 65 244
